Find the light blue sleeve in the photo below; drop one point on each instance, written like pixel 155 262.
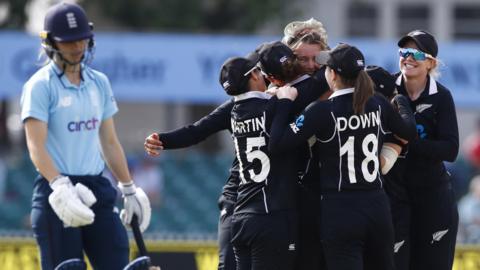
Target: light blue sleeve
pixel 110 104
pixel 35 101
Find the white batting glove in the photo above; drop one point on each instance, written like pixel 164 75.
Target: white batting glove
pixel 67 204
pixel 135 201
pixel 85 194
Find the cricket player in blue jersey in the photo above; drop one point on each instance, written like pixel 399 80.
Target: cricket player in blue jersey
pixel 67 111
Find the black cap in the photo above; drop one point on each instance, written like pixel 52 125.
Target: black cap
pixel 272 57
pixel 383 80
pixel 234 74
pixel 345 59
pixel 66 22
pixel 424 41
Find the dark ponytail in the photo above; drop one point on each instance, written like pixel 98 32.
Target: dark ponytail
pixel 364 89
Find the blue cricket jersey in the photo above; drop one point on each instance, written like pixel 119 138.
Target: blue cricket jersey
pixel 73 115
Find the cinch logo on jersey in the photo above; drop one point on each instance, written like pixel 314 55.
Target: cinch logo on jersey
pixel 249 125
pixel 359 121
pixel 83 125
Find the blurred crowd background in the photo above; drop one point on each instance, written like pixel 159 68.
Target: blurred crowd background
pixel 163 58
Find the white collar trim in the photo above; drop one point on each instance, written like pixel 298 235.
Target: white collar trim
pixel 432 89
pixel 341 92
pixel 433 86
pixel 297 80
pixel 252 94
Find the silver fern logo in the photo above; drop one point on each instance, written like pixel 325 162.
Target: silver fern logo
pixel 422 107
pixel 397 246
pixel 436 237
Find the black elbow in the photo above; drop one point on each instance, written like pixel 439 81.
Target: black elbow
pixel 452 153
pixel 412 130
pixel 273 147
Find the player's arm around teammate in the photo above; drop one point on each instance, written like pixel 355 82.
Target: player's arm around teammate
pixel 67 110
pixel 263 223
pixel 434 211
pixel 218 120
pixel 307 39
pixel 349 174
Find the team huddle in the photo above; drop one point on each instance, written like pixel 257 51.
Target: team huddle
pixel 338 165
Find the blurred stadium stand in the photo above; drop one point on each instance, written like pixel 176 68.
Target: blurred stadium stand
pixel 192 184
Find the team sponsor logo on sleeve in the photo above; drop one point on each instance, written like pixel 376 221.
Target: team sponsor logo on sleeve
pixel 421 131
pixel 297 124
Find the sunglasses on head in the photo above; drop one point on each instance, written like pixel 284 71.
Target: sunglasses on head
pixel 416 54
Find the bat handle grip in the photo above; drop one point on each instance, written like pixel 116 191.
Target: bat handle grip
pixel 137 234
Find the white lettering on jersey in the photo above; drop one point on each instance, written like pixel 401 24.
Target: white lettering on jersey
pixel 294 128
pixel 354 122
pixel 249 125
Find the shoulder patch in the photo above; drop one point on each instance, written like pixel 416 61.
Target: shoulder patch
pixel 297 124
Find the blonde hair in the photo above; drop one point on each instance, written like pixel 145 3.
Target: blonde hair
pixel 295 30
pixel 312 38
pixel 435 71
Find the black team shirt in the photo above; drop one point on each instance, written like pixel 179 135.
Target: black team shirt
pixel 266 181
pixel 348 144
pixel 309 89
pixel 437 135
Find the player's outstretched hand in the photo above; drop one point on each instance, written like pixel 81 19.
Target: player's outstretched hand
pixel 287 91
pixel 72 208
pixel 135 201
pixel 153 145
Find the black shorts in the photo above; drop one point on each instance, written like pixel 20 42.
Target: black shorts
pixel 309 248
pixel 357 231
pixel 434 227
pixel 226 260
pixel 397 192
pixel 264 241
